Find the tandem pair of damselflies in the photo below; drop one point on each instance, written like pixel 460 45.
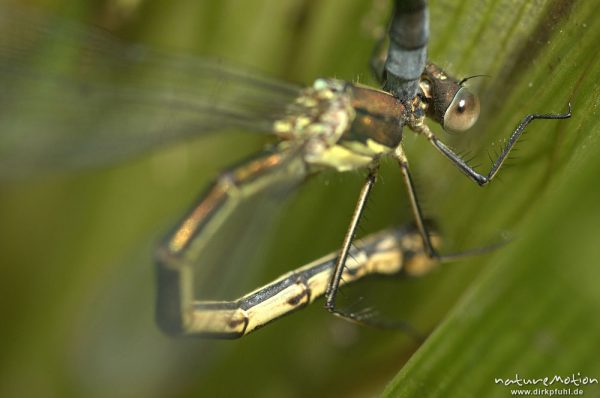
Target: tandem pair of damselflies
pixel 135 95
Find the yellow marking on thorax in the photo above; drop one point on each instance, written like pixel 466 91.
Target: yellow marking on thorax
pixel 371 149
pixel 339 158
pixel 349 155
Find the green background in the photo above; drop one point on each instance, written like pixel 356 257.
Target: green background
pixel 77 288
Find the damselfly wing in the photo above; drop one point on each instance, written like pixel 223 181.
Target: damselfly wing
pixel 74 96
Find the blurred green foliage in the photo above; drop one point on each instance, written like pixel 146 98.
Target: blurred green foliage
pixel 77 273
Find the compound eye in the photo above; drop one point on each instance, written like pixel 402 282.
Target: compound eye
pixel 463 111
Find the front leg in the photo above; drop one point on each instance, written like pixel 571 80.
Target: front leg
pixel 481 179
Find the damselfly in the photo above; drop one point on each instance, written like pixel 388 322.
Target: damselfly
pixel 331 125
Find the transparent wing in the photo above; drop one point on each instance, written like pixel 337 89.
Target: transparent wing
pixel 74 96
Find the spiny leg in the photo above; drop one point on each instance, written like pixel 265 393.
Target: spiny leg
pixel 367 317
pixel 334 282
pixel 182 250
pixel 414 202
pixel 468 170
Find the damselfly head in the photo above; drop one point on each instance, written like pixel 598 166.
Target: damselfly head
pixel 448 102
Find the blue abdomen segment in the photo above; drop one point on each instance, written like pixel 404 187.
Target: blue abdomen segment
pixel 407 53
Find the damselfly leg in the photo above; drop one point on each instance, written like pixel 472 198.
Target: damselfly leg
pixel 478 178
pixel 334 282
